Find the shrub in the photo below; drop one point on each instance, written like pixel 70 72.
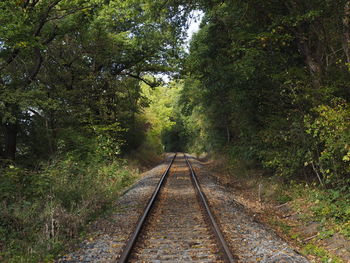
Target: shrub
pixel 41 211
pixel 329 127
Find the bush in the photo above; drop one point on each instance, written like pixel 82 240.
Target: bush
pixel 329 128
pixel 41 211
pixel 331 205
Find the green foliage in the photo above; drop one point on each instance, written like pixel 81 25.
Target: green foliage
pixel 269 96
pixel 331 205
pixel 45 210
pixel 311 249
pixel 72 64
pixel 108 140
pixel 165 128
pixel 282 199
pixel 70 107
pixel 265 82
pixel 285 228
pixel 330 128
pixel 175 137
pixel 345 230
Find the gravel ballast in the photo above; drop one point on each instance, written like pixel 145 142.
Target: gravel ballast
pixel 249 240
pixel 110 235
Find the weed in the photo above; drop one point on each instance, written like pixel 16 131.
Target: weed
pixel 285 228
pixel 42 212
pixel 312 249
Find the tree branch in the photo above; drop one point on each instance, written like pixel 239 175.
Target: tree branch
pixel 44 17
pixel 37 67
pixel 149 83
pixel 68 13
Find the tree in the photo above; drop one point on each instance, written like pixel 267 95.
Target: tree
pixel 83 59
pixel 260 68
pixel 29 29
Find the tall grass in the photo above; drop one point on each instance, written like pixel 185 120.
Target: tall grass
pixel 42 211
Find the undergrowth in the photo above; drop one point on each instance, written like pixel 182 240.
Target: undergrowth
pixel 329 207
pixel 42 211
pixel 321 253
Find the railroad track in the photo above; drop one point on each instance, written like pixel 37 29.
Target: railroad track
pixel 177 224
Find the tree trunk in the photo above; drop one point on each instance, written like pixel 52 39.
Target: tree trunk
pixel 228 134
pixel 49 137
pixel 303 34
pixel 53 132
pixel 346 30
pixel 311 60
pixel 11 131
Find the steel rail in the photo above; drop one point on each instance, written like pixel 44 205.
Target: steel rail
pixel 223 246
pixel 133 238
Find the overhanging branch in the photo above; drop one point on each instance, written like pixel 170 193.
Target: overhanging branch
pixel 152 84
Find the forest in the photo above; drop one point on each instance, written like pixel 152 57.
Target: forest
pixel 84 103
